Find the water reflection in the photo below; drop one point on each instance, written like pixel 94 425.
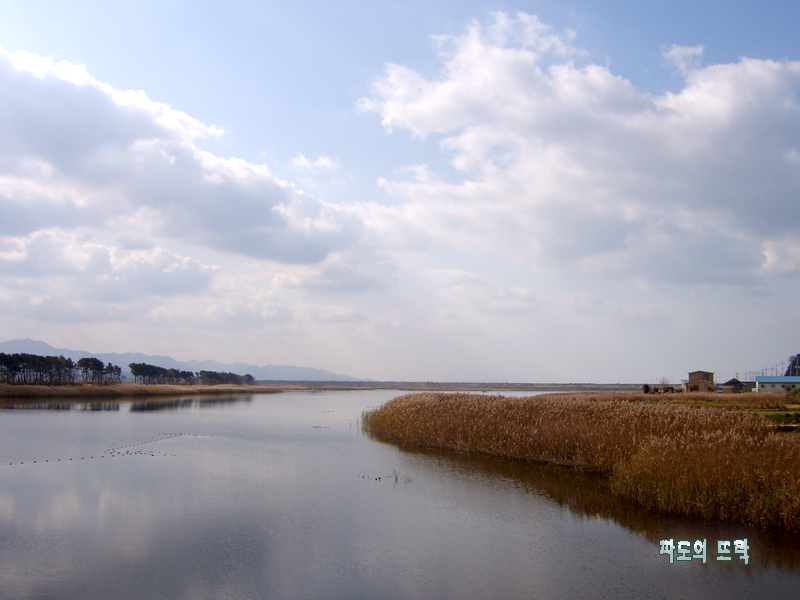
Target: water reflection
pixel 586 495
pixel 108 405
pixel 170 403
pixel 187 403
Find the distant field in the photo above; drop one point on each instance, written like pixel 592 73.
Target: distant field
pixel 713 456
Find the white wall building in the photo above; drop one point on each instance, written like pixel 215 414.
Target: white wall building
pixel 777 384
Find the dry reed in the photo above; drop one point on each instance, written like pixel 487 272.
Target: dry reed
pixel 703 462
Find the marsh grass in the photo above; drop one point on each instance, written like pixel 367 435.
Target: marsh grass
pixel 706 462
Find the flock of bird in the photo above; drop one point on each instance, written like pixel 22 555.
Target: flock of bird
pixel 120 451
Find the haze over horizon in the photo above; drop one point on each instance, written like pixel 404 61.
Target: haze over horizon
pixel 530 191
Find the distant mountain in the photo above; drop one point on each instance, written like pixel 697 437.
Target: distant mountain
pixel 265 373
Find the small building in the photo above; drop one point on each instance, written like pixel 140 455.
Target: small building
pixel 734 386
pixel 785 383
pixel 700 381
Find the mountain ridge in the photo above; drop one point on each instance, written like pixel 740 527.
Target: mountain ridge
pixel 261 373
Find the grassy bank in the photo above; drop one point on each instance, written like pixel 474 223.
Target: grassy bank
pixel 121 390
pixel 700 461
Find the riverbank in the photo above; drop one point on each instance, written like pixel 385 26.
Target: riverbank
pixel 698 460
pixel 137 390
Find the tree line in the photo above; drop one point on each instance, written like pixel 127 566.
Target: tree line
pixel 216 378
pixel 32 369
pixel 144 373
pixel 151 374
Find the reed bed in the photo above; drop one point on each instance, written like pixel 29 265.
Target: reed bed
pixel 711 463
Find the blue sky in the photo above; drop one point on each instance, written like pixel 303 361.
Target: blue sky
pixel 533 191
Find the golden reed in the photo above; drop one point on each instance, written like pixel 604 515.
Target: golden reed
pixel 711 463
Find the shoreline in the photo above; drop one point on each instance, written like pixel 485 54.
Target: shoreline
pixel 116 391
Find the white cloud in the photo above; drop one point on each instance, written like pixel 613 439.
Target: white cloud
pixel 782 256
pixel 330 313
pixel 340 272
pixel 78 152
pixel 684 58
pixel 323 163
pixel 471 82
pixel 223 310
pixel 484 294
pixel 84 87
pixel 51 263
pixel 567 166
pixel 591 304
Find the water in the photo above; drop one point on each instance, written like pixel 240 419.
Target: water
pixel 282 496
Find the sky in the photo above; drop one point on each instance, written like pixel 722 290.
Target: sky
pixel 420 191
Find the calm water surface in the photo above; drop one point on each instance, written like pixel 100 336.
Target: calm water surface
pixel 282 496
